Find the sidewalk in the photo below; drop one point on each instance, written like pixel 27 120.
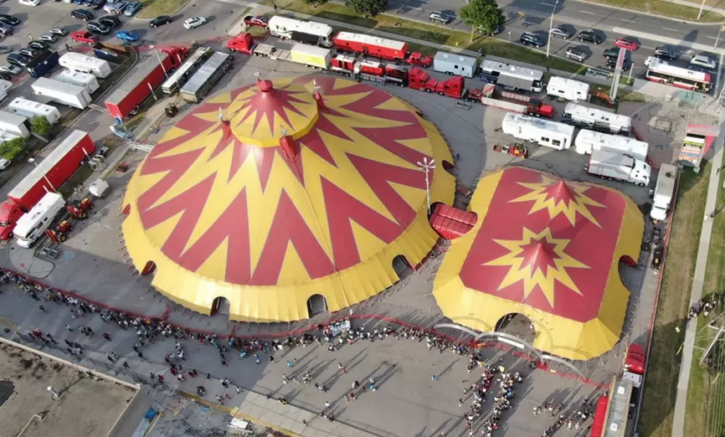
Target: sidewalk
pixel 678 424
pixel 697 6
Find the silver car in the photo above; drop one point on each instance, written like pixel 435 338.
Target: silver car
pixel 12 69
pixel 48 37
pixel 560 32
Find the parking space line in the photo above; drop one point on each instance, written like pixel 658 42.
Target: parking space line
pixel 670 29
pixel 548 4
pixel 587 12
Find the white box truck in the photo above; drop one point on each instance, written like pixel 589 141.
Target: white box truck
pixel 616 166
pixel 568 89
pixel 72 95
pixel 85 64
pixel 453 64
pixel 14 124
pixel 5 86
pixel 31 109
pixel 587 141
pixel 86 80
pixel 664 190
pixel 33 224
pixel 536 130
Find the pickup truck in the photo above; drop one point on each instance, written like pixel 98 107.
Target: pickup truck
pixel 84 37
pixel 256 21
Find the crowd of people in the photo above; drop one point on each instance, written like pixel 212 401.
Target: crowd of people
pixel 333 336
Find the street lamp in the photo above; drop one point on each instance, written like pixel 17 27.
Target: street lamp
pixel 159 58
pixel 551 26
pixel 426 166
pixel 32 161
pixel 717 40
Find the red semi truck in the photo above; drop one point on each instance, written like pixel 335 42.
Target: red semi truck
pixel 49 175
pixel 147 75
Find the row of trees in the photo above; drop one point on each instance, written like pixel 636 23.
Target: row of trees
pixel 13 148
pixel 482 15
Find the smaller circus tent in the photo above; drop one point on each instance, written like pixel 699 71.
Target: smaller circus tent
pixel 285 193
pixel 548 249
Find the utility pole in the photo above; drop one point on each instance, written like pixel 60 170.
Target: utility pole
pixel 699 14
pixel 551 26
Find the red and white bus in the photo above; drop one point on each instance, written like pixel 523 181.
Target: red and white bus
pixel 662 72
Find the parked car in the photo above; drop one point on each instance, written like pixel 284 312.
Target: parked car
pixel 160 21
pixel 666 53
pixel 256 21
pixel 440 17
pixel 99 28
pixel 110 21
pixel 704 62
pixel 576 54
pixel 612 64
pixel 83 36
pixel 95 4
pixel 6 76
pixel 591 36
pixel 58 31
pixel 29 2
pixel 194 22
pixel 82 14
pixel 560 32
pixel 5 49
pixel 78 2
pixel 9 20
pixel 613 52
pixel 4 163
pixel 626 43
pixel 531 39
pixel 127 35
pixel 496 30
pixel 11 69
pixel 48 37
pixel 29 52
pixel 38 45
pixel 18 59
pixel 132 9
pixel 6 30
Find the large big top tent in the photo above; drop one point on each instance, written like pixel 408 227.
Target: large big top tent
pixel 280 191
pixel 548 249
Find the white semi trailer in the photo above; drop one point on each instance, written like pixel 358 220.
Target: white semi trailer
pixel 620 167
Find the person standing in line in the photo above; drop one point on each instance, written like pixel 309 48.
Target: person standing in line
pixel 434 378
pixel 107 336
pixel 68 328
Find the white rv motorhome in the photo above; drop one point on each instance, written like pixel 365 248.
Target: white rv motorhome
pixel 34 223
pixel 543 132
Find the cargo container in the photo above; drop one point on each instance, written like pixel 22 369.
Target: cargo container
pixel 71 95
pixel 208 75
pixel 310 56
pixel 370 45
pixel 453 64
pixel 31 109
pixel 43 63
pixel 86 64
pixel 144 78
pixel 588 141
pixel 664 190
pixel 542 132
pixel 596 119
pixel 14 124
pixel 86 80
pixel 620 167
pixel 301 31
pixel 33 224
pixel 57 167
pixel 568 89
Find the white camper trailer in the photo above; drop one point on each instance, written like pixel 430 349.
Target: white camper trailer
pixel 568 89
pixel 587 141
pixel 453 64
pixel 31 109
pixel 543 132
pixel 86 80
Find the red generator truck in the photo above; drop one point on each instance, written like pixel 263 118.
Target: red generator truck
pixel 420 80
pixel 369 70
pixel 370 45
pixel 515 102
pixel 148 74
pixel 49 175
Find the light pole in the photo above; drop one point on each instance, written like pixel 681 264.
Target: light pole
pixel 551 26
pixel 32 161
pixel 159 58
pixel 426 166
pixel 717 40
pixel 699 14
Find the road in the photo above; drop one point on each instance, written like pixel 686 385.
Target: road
pixel 534 16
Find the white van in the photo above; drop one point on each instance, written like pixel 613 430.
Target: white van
pixel 33 224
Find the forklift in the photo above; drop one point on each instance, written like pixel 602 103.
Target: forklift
pixel 517 150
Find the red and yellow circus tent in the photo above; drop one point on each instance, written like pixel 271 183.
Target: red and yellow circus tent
pixel 276 192
pixel 548 249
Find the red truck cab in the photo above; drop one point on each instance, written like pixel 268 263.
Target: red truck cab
pixel 634 361
pixel 10 213
pixel 243 43
pixel 84 37
pixel 420 80
pixel 177 54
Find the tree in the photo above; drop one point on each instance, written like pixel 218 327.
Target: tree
pixel 484 15
pixel 40 125
pixel 367 8
pixel 315 3
pixel 10 149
